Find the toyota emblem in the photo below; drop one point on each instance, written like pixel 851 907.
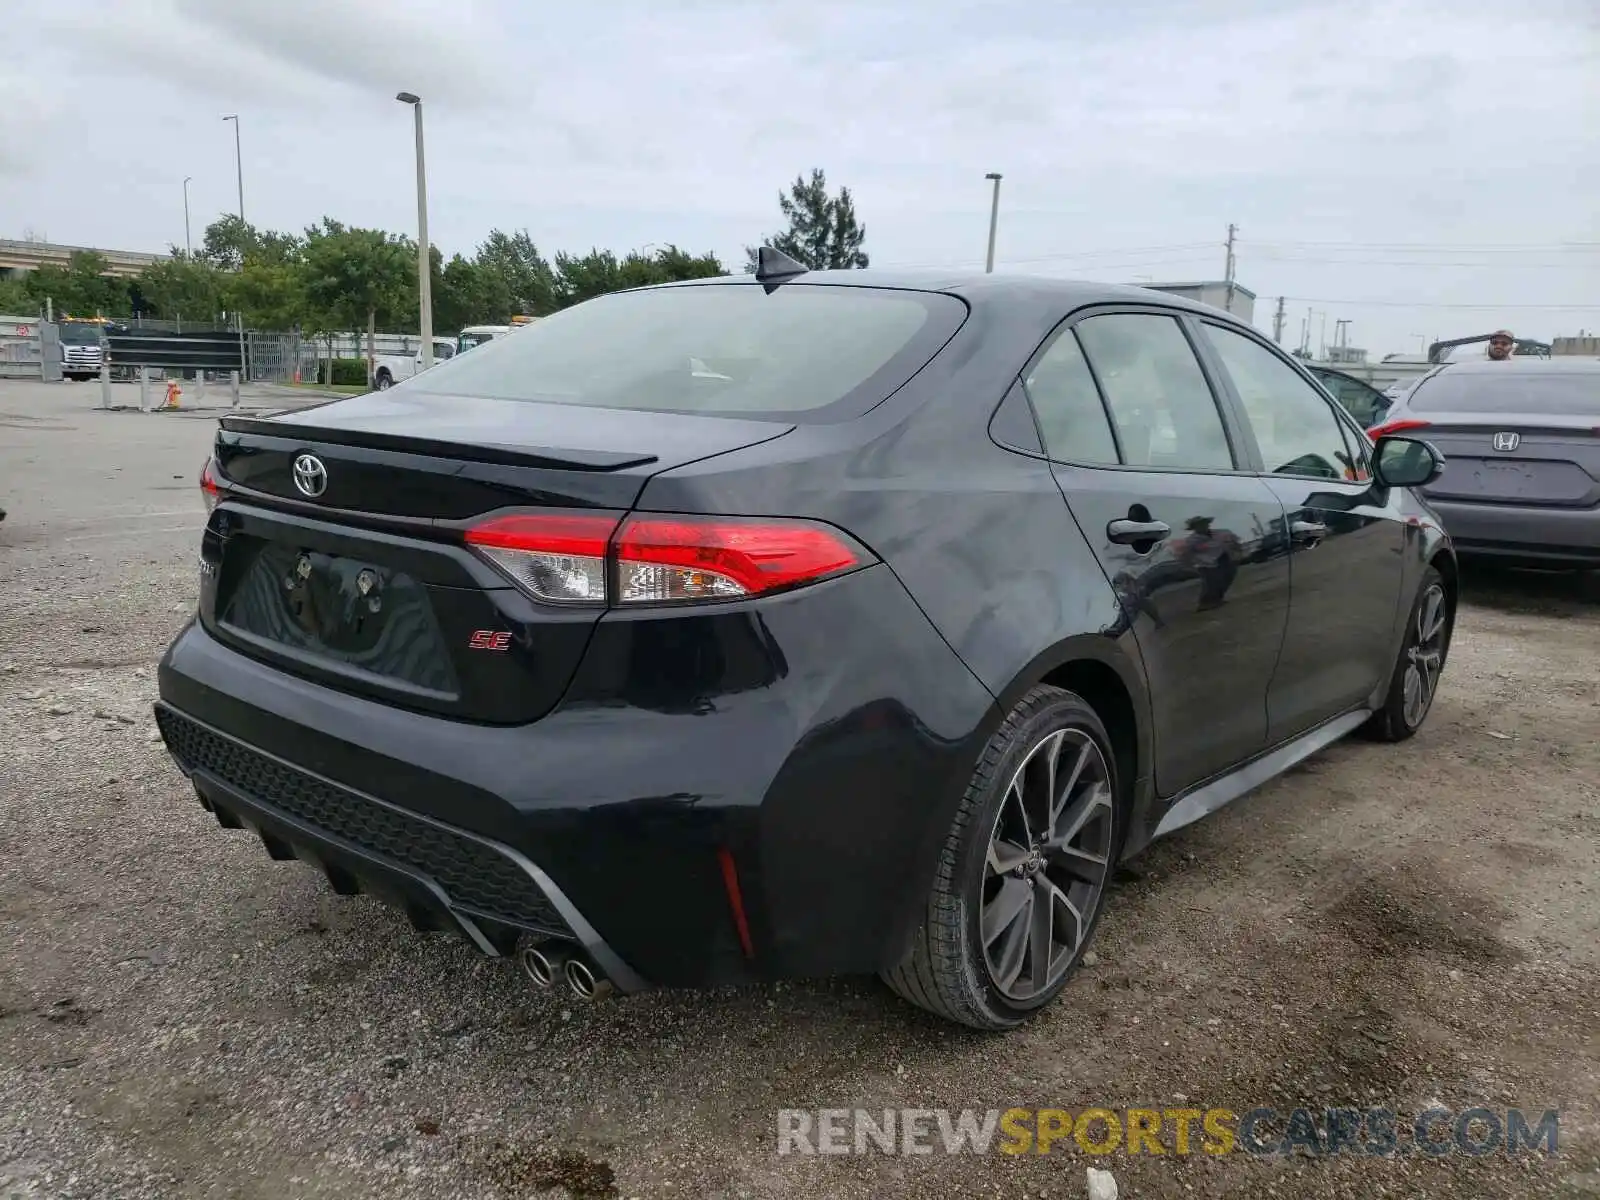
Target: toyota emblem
pixel 1507 442
pixel 310 476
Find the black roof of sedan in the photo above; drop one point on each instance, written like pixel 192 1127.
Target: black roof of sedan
pixel 1028 292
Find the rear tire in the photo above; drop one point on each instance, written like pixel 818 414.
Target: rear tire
pixel 1022 873
pixel 385 381
pixel 1417 670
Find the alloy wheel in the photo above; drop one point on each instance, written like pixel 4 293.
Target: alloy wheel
pixel 1048 861
pixel 1425 656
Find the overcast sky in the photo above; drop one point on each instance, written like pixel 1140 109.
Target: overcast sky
pixel 1383 161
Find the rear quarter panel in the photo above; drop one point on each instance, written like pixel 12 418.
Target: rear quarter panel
pixel 980 536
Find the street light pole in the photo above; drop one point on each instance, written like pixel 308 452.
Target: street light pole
pixel 994 220
pixel 188 247
pixel 424 264
pixel 238 162
pixel 238 319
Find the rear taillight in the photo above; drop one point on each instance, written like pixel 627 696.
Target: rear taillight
pixel 587 559
pixel 1403 425
pixel 665 558
pixel 556 558
pixel 210 489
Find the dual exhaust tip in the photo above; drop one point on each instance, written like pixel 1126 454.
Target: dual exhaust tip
pixel 546 964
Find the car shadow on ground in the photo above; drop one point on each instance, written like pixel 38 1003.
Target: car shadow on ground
pixel 1513 591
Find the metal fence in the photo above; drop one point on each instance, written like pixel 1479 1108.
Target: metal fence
pixel 29 349
pixel 209 350
pixel 161 353
pixel 281 358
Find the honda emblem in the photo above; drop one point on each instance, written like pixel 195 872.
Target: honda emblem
pixel 1507 442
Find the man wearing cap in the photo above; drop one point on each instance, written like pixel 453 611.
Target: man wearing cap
pixel 1501 344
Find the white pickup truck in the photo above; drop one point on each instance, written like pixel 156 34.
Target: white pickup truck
pixel 390 369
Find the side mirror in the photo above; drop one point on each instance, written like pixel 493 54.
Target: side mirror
pixel 1406 462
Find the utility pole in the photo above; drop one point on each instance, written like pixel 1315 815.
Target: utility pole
pixel 994 220
pixel 188 247
pixel 1341 333
pixel 1232 229
pixel 424 261
pixel 1277 323
pixel 238 161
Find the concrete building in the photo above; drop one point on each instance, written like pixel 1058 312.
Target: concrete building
pixel 1586 345
pixel 1214 293
pixel 19 256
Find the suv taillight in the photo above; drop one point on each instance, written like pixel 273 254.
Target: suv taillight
pixel 659 558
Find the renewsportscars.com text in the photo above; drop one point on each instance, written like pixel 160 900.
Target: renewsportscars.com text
pixel 1378 1132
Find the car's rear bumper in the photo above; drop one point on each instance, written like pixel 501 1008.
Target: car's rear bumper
pixel 812 746
pixel 441 877
pixel 1521 532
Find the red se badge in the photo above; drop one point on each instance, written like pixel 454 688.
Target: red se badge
pixel 488 639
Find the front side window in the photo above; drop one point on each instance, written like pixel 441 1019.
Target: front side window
pixel 1156 392
pixel 1293 423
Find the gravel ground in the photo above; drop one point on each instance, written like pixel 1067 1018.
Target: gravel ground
pixel 182 1017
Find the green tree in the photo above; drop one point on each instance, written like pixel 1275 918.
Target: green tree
pixel 352 277
pixel 516 271
pixel 583 277
pixel 229 242
pixel 580 278
pixel 82 288
pixel 15 298
pixel 467 293
pixel 179 287
pixel 266 295
pixel 675 264
pixel 823 232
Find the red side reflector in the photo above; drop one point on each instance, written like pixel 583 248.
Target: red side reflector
pixel 1401 426
pixel 724 557
pixel 210 490
pixel 730 881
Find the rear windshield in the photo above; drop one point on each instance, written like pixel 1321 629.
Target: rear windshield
pixel 1555 394
pixel 802 352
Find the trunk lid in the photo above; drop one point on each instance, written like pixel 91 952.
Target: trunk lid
pixel 1550 461
pixel 365 584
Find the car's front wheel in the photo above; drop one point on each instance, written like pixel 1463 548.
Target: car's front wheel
pixel 1023 871
pixel 1415 681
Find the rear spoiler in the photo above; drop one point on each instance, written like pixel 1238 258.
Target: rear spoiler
pixel 551 457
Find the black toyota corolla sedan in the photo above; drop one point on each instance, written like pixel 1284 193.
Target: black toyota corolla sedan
pixel 799 624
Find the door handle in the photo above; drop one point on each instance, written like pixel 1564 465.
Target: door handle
pixel 1126 532
pixel 1308 531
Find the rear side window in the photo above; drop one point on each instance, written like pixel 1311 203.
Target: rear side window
pixel 1164 411
pixel 1071 415
pixel 802 352
pixel 1557 394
